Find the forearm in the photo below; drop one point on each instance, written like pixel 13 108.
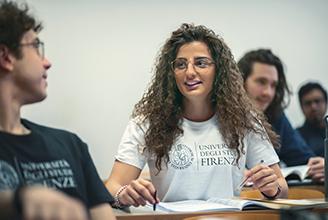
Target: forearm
pixel 6 205
pixel 101 212
pixel 113 186
pixel 122 174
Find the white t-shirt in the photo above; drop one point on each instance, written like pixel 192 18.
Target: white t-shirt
pixel 201 165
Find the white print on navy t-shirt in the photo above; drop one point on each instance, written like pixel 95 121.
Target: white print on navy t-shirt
pixel 181 156
pixel 55 174
pixel 216 155
pixel 8 176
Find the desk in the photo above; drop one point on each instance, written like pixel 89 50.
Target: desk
pixel 269 215
pixel 299 191
pixel 142 214
pixel 319 187
pixel 235 215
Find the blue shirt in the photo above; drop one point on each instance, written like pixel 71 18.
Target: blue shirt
pixel 294 150
pixel 314 137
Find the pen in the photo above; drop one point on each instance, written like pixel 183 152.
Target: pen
pixel 242 184
pixel 154 205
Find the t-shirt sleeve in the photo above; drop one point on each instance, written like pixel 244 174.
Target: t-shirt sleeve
pixel 96 190
pixel 132 146
pixel 259 148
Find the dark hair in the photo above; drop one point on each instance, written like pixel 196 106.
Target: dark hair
pixel 14 22
pixel 282 96
pixel 308 87
pixel 161 105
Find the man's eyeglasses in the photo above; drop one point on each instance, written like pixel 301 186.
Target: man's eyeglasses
pixel 38 45
pixel 199 64
pixel 308 103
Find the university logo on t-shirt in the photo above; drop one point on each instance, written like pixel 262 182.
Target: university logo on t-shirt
pixel 181 156
pixel 8 176
pixel 55 174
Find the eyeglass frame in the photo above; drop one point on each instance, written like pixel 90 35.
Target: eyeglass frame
pixel 193 64
pixel 37 44
pixel 309 103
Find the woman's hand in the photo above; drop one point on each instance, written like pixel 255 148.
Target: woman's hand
pixel 264 178
pixel 137 193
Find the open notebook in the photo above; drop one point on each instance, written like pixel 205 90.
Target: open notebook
pixel 295 172
pixel 235 204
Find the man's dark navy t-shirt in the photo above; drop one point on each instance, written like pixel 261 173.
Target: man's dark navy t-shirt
pixel 52 158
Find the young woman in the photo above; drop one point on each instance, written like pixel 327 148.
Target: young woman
pixel 196 129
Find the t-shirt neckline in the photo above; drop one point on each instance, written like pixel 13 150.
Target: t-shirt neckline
pixel 200 124
pixel 21 136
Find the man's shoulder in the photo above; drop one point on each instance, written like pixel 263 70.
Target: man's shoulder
pixel 48 131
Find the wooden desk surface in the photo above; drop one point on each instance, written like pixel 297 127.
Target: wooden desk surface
pixel 319 187
pixel 269 215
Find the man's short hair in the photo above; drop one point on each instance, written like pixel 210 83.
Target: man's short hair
pixel 308 87
pixel 14 23
pixel 282 96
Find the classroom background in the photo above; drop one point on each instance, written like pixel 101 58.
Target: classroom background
pixel 103 51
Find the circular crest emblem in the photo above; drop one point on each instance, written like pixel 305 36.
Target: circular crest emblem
pixel 181 156
pixel 8 176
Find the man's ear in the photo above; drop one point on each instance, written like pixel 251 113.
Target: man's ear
pixel 6 59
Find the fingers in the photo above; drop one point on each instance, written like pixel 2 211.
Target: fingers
pixel 76 210
pixel 318 177
pixel 315 160
pixel 264 178
pixel 138 192
pixel 247 174
pixel 269 188
pixel 267 183
pixel 260 171
pixel 48 211
pixel 43 203
pixel 316 170
pixel 134 196
pixel 316 165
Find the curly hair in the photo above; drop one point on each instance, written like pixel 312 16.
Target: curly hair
pixel 14 22
pixel 161 104
pixel 282 96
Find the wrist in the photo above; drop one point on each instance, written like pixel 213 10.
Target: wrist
pixel 118 203
pixel 275 195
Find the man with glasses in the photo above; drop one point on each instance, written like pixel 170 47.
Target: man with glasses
pixel 45 173
pixel 313 100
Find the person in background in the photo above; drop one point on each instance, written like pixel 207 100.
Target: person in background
pixel 313 100
pixel 45 173
pixel 196 128
pixel 266 85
